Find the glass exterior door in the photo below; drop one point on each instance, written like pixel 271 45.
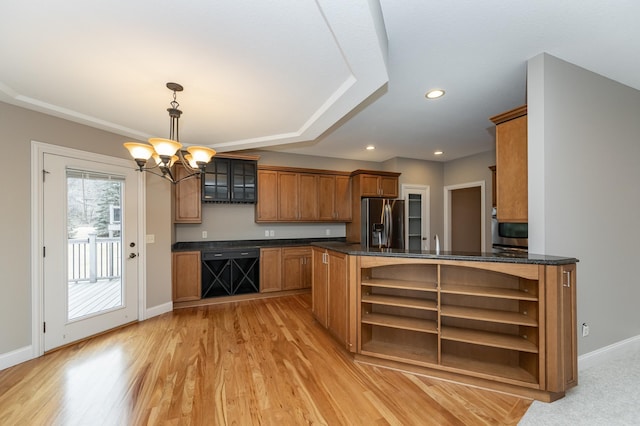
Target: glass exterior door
pixel 90 253
pixel 94 209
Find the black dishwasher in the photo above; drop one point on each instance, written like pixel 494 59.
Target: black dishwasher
pixel 230 272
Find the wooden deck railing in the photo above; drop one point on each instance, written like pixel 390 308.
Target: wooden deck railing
pixel 93 258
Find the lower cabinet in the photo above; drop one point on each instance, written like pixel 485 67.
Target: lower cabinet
pixel 330 293
pixel 286 268
pixel 270 269
pixel 186 275
pixel 562 333
pixel 296 267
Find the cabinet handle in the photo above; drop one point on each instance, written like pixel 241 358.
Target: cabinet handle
pixel 568 275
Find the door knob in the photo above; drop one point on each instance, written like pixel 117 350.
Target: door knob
pixel 132 255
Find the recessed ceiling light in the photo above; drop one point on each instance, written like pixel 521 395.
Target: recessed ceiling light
pixel 438 152
pixel 370 147
pixel 434 94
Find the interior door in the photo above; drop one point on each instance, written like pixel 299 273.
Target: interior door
pixel 90 274
pixel 466 219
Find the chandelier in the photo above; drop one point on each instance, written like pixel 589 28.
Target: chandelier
pixel 166 152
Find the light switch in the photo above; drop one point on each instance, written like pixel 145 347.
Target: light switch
pixel 204 234
pixel 150 238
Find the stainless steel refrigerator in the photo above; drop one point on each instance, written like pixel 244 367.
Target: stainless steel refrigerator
pixel 382 223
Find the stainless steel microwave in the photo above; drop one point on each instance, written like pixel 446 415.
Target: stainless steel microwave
pixel 509 235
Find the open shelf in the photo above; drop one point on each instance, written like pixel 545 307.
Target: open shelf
pixel 486 338
pixel 501 293
pixel 405 323
pixel 400 284
pixel 489 369
pixel 399 352
pixel 509 327
pixel 404 302
pixel 490 315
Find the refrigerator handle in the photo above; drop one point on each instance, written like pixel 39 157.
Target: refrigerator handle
pixel 388 223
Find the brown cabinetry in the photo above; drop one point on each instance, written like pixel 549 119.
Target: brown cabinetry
pixel 562 344
pixel 285 268
pixel 368 183
pixel 302 195
pixel 330 294
pixel 187 204
pixel 511 165
pixel 298 197
pixel 267 205
pixel 185 275
pixel 270 269
pixel 334 195
pixel 288 196
pixel 319 286
pixel 375 185
pixel 296 266
pixel 507 326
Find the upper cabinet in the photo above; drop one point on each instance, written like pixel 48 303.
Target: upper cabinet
pixel 376 184
pixel 230 180
pixel 186 206
pixel 297 197
pixel 511 165
pixel 267 205
pixel 334 198
pixel 302 195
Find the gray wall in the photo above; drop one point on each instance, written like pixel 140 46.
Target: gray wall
pixel 584 201
pixel 474 168
pixel 19 127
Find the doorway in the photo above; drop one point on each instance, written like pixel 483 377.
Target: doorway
pixel 465 217
pixel 88 271
pixel 417 202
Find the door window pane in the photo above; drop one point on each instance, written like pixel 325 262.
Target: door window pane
pixel 94 243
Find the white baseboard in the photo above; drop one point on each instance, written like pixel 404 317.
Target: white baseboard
pixel 158 310
pixel 608 353
pixel 16 357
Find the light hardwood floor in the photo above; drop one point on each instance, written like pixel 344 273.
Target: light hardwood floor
pixel 245 363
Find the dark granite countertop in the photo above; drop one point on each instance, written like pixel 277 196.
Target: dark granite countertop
pixel 249 244
pixel 526 258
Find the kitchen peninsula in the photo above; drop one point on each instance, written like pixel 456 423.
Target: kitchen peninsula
pixel 502 321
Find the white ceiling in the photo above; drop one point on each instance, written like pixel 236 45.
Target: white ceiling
pixel 324 77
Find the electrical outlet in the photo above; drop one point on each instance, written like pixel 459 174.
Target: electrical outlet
pixel 272 233
pixel 266 232
pixel 585 329
pixel 204 234
pixel 327 231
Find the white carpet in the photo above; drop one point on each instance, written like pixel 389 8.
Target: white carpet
pixel 607 394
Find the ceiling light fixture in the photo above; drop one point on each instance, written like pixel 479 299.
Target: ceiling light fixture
pixel 438 152
pixel 434 94
pixel 165 152
pixel 370 148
